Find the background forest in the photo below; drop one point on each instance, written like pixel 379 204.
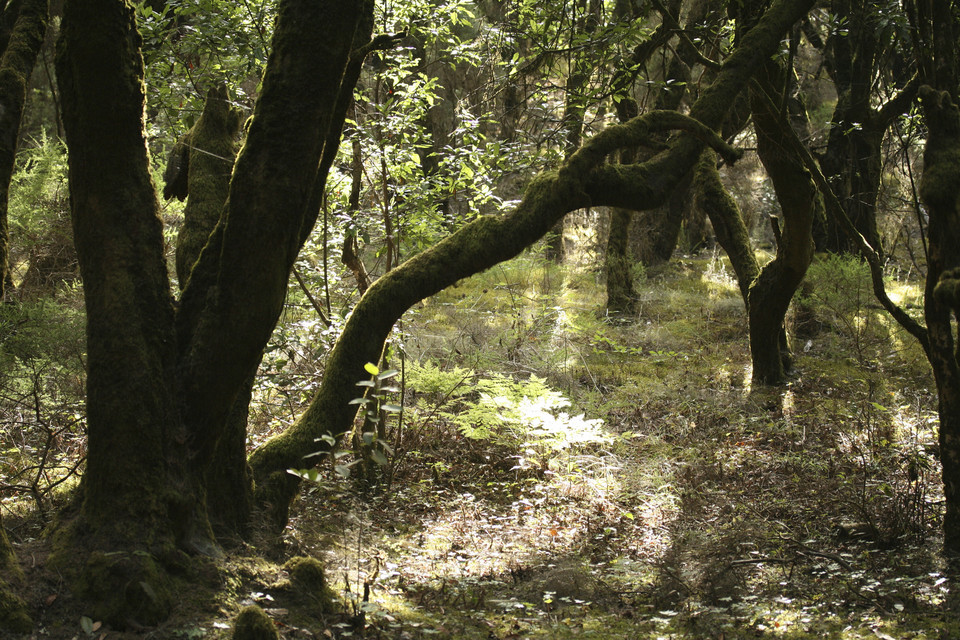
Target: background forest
pixel 242 396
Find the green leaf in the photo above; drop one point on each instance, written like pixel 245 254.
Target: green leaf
pixel 87 625
pixel 379 458
pixel 389 373
pixel 371 368
pixel 392 408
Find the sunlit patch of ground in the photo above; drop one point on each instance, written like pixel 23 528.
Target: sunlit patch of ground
pixel 716 510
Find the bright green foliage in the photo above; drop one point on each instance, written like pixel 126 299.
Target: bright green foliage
pixel 524 415
pixel 191 45
pixel 41 238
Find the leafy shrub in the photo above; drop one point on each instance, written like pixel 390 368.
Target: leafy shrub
pixel 524 415
pixel 40 232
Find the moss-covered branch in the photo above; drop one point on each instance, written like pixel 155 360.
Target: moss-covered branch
pixel 582 181
pixel 732 234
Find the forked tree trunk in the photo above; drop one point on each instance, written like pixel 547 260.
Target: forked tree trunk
pixel 162 383
pixel 199 169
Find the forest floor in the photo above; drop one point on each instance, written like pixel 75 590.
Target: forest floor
pixel 682 503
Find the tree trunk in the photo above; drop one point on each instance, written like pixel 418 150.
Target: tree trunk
pixel 940 190
pixel 713 199
pixel 132 498
pixel 23 26
pixel 618 268
pixel 162 384
pixel 852 161
pixel 205 157
pixel 199 169
pixel 800 203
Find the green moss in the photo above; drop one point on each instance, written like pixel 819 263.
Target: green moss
pixel 120 588
pixel 254 624
pixel 307 577
pixel 13 615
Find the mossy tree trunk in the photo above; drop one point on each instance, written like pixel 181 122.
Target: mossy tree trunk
pixel 133 494
pixel 800 203
pixel 23 25
pixel 163 381
pixel 584 179
pixel 715 201
pixel 199 169
pixel 940 190
pixel 618 265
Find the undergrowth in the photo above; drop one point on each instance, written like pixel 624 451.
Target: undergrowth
pixel 554 473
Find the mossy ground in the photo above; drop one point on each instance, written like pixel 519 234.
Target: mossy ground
pixel 714 509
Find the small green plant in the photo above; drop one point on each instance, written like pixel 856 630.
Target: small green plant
pixel 523 415
pixel 370 446
pixel 371 453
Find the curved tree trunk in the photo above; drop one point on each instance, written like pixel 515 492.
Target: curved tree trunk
pixel 582 180
pixel 715 201
pixel 800 203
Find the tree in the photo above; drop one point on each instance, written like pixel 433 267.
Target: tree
pixel 162 381
pixel 165 379
pixel 583 179
pixel 864 44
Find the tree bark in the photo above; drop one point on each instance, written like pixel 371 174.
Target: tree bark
pixel 205 155
pixel 940 190
pixel 199 169
pixel 128 498
pixel 800 203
